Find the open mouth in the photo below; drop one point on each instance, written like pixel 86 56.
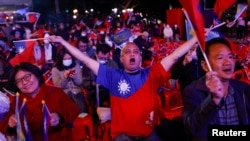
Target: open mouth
pixel 132 60
pixel 228 70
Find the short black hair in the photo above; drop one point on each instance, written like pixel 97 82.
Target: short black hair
pixel 59 62
pixel 213 41
pixel 104 48
pixel 83 39
pixel 25 66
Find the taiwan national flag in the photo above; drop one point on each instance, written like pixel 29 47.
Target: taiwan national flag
pixel 121 37
pixel 194 12
pixel 221 6
pixel 190 33
pixel 241 11
pixel 32 17
pixel 46 117
pixel 24 52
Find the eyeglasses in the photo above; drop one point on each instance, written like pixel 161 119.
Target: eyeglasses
pixel 25 78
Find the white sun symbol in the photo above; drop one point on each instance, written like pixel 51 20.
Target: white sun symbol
pixel 123 87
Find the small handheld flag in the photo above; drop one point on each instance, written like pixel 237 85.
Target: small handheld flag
pixel 46 115
pixel 199 41
pixel 32 17
pixel 26 127
pixel 241 8
pixel 24 52
pixel 220 6
pixel 121 37
pixel 20 135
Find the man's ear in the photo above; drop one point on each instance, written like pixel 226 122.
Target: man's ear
pixel 204 66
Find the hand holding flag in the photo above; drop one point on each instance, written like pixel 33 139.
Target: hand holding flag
pixel 20 135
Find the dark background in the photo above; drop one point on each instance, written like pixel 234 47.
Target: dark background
pixel 154 8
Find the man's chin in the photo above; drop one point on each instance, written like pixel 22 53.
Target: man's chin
pixel 133 69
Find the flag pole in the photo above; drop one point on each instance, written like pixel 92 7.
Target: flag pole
pixel 216 26
pixel 240 13
pixel 235 19
pixel 46 114
pixel 192 27
pixel 30 39
pixel 45 107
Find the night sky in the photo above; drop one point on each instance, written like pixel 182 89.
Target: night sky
pixel 152 7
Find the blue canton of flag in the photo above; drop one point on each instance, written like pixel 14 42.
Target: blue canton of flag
pixel 121 37
pixel 20 46
pixel 213 34
pixel 189 31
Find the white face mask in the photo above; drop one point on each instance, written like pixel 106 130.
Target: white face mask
pixel 83 34
pixel 67 62
pixel 102 61
pixel 46 41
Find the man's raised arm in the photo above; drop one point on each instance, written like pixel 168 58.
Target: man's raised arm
pixel 90 63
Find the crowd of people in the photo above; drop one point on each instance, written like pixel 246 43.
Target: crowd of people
pixel 89 67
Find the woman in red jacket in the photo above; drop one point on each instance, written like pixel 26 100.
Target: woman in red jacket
pixel 28 81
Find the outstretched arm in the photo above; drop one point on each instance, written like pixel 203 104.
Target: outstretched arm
pixel 168 61
pixel 90 63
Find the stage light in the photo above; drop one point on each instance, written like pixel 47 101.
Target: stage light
pixel 75 11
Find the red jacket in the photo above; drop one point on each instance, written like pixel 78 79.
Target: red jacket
pixel 56 101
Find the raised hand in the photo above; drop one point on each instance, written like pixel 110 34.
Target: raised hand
pixel 215 86
pixel 54 119
pixel 12 121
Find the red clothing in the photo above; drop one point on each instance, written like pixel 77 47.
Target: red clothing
pixel 242 75
pixel 135 105
pixel 56 101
